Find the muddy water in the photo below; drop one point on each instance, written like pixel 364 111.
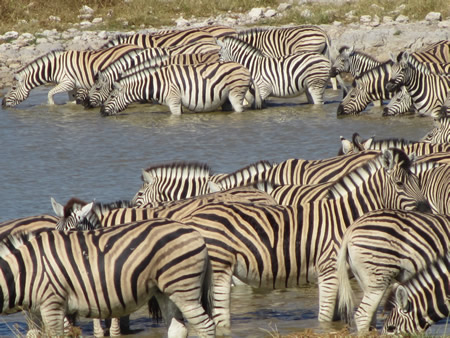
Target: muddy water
pixel 65 151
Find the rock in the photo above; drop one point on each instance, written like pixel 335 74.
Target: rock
pixel 402 19
pixel 433 16
pixel 54 18
pixel 98 20
pixel 365 19
pixel 9 36
pixel 387 19
pixel 181 22
pixel 283 6
pixel 444 24
pixel 306 13
pixel 270 13
pixel 86 10
pixel 255 13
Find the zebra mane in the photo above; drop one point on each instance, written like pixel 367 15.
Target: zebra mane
pixel 358 176
pixel 363 54
pixel 180 170
pixel 13 242
pixel 72 204
pixel 390 143
pixel 48 55
pixel 118 38
pixel 245 173
pixel 251 31
pixel 244 45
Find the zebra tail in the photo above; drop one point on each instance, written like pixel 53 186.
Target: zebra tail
pixel 345 289
pixel 154 309
pixel 257 94
pixel 207 290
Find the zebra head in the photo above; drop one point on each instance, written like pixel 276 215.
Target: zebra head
pixel 356 145
pixel 100 90
pixel 400 103
pixel 116 101
pixel 402 315
pixel 398 72
pixel 73 215
pixel 19 92
pixel 342 62
pixel 355 101
pixel 440 133
pixel 82 97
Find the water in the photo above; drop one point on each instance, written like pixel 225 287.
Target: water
pixel 65 151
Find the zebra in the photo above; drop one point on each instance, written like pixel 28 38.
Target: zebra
pixel 69 69
pixel 440 133
pixel 421 301
pixel 297 171
pixel 27 224
pixel 174 38
pixel 428 90
pixel 283 76
pixel 284 41
pixel 438 52
pixel 218 31
pixel 200 88
pixel 283 246
pixel 382 246
pixel 366 88
pixel 109 272
pixel 354 62
pixel 400 103
pixel 445 109
pixel 419 148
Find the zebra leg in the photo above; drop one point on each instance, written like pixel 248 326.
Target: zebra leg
pixel 334 83
pixel 98 329
pixel 378 103
pixel 172 316
pixel 315 90
pixel 174 103
pixel 114 328
pixel 72 95
pixel 53 318
pixel 366 312
pixel 65 86
pixel 236 97
pixel 328 290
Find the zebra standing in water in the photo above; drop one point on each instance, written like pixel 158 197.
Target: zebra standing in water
pixel 284 76
pixel 200 88
pixel 428 90
pixel 286 246
pixel 109 273
pixel 421 301
pixel 69 69
pixel 386 245
pixel 400 103
pixel 277 42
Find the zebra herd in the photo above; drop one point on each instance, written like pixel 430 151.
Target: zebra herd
pixel 418 81
pixel 378 211
pixel 199 69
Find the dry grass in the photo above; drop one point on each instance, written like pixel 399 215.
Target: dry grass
pixel 33 15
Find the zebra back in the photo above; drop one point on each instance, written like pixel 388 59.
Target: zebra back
pixel 27 224
pixel 162 40
pixel 251 174
pixel 438 52
pixel 414 306
pixel 276 42
pixel 193 48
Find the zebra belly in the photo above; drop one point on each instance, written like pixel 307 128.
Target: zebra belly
pixel 199 105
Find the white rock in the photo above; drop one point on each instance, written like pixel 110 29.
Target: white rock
pixel 433 16
pixel 98 20
pixel 270 13
pixel 85 24
pixel 255 13
pixel 337 23
pixel 54 18
pixel 306 13
pixel 365 19
pixel 387 19
pixel 86 10
pixel 10 35
pixel 402 19
pixel 181 22
pixel 84 17
pixel 444 24
pixel 283 6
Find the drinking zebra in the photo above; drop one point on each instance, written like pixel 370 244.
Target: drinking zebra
pixel 70 70
pixel 200 88
pixel 286 246
pixel 421 301
pixel 283 76
pixel 428 90
pixel 441 131
pixel 283 41
pixel 383 246
pixel 367 88
pixel 108 273
pixel 354 62
pixel 400 103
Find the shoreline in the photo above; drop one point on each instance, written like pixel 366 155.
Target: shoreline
pixel 373 37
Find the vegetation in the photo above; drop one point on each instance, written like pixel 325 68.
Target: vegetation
pixel 35 15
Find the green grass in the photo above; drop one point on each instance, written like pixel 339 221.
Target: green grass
pixel 32 15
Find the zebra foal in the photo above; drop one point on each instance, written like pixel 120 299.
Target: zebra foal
pixel 108 273
pixel 199 88
pixel 283 76
pixel 383 246
pixel 421 301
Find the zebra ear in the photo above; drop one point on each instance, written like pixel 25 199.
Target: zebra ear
pixel 405 57
pixel 401 297
pixel 57 208
pixel 367 143
pixel 17 77
pixel 387 159
pixel 346 145
pixel 147 177
pixel 117 85
pixel 214 187
pixel 351 51
pixel 85 210
pixel 219 43
pixel 392 57
pixel 412 157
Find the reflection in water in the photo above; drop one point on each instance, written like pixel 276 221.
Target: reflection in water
pixel 65 151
